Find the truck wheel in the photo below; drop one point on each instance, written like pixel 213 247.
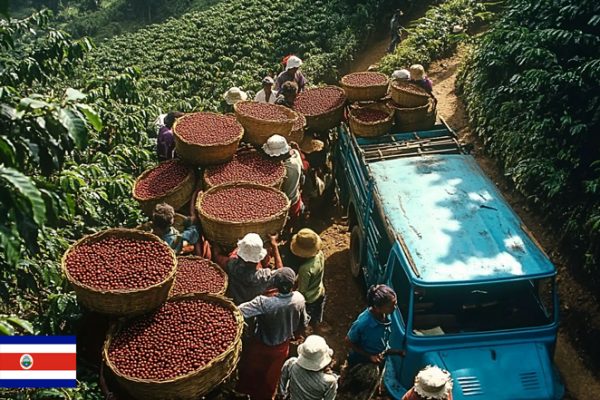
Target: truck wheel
pixel 356 252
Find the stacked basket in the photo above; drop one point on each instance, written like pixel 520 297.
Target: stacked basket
pixel 365 86
pixel 373 128
pixel 327 117
pixel 259 122
pixel 414 107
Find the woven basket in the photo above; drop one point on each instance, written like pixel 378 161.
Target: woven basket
pixel 259 130
pixel 228 233
pixel 406 94
pixel 176 197
pixel 276 183
pixel 214 266
pixel 123 301
pixel 298 135
pixel 198 154
pixel 329 119
pixel 415 118
pixel 364 93
pixel 375 128
pixel 193 385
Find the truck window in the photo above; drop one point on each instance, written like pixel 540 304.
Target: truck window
pixel 483 307
pixel 401 286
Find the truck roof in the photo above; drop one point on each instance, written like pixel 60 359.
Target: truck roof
pixel 453 221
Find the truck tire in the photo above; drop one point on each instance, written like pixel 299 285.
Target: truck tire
pixel 356 250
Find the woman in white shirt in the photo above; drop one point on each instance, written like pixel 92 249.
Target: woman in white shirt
pixel 266 94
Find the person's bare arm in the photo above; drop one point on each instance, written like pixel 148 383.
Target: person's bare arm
pixel 374 358
pixel 276 254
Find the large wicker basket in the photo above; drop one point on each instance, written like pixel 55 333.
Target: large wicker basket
pixel 123 301
pixel 365 93
pixel 375 128
pixel 328 119
pixel 176 197
pixel 277 180
pixel 415 118
pixel 407 94
pixel 213 266
pixel 193 385
pixel 259 130
pixel 198 154
pixel 298 134
pixel 228 233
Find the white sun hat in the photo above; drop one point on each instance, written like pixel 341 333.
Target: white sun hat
pixel 433 383
pixel 293 62
pixel 234 95
pixel 276 145
pixel 401 74
pixel 250 248
pixel 314 354
pixel 416 72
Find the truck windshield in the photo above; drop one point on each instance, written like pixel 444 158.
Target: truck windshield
pixel 483 307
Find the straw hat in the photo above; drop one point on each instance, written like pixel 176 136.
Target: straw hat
pixel 293 62
pixel 234 95
pixel 417 72
pixel 306 243
pixel 267 80
pixel 310 145
pixel 314 354
pixel 250 248
pixel 401 74
pixel 276 146
pixel 433 383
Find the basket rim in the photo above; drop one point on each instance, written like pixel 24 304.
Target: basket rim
pixel 344 97
pixel 214 265
pixel 222 300
pixel 206 170
pixel 396 85
pixel 99 235
pixel 286 110
pixel 224 143
pixel 343 83
pixel 388 109
pixel 240 184
pixel 430 103
pixel 190 175
pixel 301 117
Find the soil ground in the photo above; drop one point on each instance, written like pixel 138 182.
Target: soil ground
pixel 576 351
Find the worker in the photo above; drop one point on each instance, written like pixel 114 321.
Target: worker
pixel 247 277
pixel 287 95
pixel 317 174
pixel 266 94
pixel 368 339
pixel 431 382
pixel 233 96
pixel 395 29
pixel 278 149
pixel 292 73
pixel 417 76
pixel 279 319
pixel 309 376
pixel 307 255
pixel 165 142
pixel 163 218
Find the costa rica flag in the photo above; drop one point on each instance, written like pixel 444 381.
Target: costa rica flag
pixel 38 362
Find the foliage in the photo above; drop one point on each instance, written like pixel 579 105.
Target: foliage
pixel 531 86
pixel 431 37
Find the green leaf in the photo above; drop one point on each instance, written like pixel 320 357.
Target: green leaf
pixel 28 102
pixel 21 323
pixel 74 95
pixel 6 329
pixel 75 126
pixel 25 187
pixel 7 151
pixel 92 116
pixel 10 246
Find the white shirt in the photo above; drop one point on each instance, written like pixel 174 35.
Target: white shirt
pixel 260 96
pixel 293 174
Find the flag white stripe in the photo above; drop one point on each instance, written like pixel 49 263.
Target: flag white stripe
pixel 38 374
pixel 37 348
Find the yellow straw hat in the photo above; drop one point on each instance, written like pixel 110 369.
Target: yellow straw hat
pixel 306 243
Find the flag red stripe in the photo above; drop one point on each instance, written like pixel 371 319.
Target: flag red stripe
pixel 41 362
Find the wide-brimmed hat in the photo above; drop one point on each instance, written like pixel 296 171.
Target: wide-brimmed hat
pixel 433 383
pixel 306 243
pixel 276 146
pixel 293 62
pixel 234 95
pixel 314 354
pixel 401 74
pixel 250 248
pixel 267 80
pixel 310 145
pixel 416 72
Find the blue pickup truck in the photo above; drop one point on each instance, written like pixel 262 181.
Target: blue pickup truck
pixel 476 293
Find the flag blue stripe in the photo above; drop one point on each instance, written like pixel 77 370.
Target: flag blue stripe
pixel 38 383
pixel 38 339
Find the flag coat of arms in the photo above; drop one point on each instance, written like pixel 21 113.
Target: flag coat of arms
pixel 38 361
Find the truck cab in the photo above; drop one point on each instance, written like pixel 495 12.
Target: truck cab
pixel 476 293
